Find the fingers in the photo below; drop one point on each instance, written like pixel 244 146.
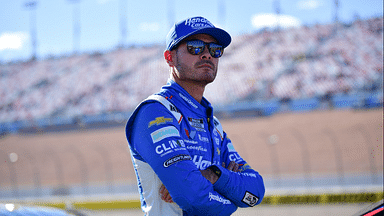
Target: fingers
pixel 165 194
pixel 232 166
pixel 236 168
pixel 162 188
pixel 168 198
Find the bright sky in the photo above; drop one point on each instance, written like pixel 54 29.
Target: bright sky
pixel 147 21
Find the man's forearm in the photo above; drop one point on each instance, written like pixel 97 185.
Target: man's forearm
pixel 212 174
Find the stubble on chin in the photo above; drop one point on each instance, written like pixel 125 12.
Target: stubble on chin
pixel 196 74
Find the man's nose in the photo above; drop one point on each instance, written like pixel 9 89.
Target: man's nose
pixel 205 54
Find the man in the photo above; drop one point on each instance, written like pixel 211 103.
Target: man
pixel 184 163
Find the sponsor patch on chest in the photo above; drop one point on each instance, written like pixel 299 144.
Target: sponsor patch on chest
pixel 197 123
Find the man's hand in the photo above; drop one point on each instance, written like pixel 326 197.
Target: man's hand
pixel 165 194
pixel 208 174
pixel 232 166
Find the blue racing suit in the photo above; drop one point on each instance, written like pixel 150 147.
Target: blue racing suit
pixel 171 137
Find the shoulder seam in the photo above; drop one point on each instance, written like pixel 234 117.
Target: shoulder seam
pixel 172 108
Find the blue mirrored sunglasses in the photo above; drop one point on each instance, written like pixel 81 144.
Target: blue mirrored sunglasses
pixel 196 47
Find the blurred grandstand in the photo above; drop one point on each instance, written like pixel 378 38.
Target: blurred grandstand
pixel 311 67
pixel 322 67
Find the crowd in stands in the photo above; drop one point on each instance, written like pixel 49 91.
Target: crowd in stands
pixel 302 62
pixel 290 63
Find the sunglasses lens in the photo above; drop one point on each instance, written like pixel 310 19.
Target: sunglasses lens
pixel 215 50
pixel 195 47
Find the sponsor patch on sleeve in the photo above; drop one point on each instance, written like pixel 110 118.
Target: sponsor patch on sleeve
pixel 159 121
pixel 165 132
pixel 176 159
pixel 230 147
pixel 250 199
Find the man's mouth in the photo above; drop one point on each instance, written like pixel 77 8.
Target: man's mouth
pixel 206 65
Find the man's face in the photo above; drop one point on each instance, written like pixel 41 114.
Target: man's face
pixel 200 68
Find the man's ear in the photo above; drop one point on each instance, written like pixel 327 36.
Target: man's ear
pixel 168 57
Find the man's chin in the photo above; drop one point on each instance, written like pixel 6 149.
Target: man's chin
pixel 204 81
pixel 207 81
pixel 209 77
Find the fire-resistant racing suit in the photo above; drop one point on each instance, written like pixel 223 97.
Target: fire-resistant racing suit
pixel 171 137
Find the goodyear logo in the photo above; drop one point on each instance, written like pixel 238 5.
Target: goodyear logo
pixel 159 121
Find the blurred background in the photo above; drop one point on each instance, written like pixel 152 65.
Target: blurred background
pixel 299 91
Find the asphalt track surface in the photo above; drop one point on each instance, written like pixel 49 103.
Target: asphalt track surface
pixel 280 210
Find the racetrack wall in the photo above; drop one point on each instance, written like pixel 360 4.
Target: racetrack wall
pixel 332 142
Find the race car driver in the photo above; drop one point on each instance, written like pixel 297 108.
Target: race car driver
pixel 184 162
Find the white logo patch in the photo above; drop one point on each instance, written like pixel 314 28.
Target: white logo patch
pixel 197 123
pixel 250 199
